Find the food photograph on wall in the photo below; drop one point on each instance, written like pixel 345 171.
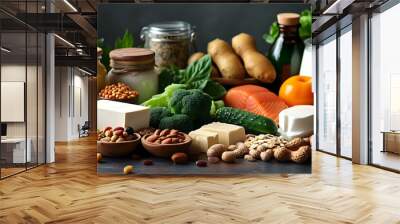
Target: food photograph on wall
pixel 204 89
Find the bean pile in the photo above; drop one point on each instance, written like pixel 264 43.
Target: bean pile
pixel 166 136
pixel 118 91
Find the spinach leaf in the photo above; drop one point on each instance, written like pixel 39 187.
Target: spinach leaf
pixel 195 76
pixel 214 89
pixel 198 73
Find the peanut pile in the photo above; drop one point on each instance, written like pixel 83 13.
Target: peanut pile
pixel 118 91
pixel 266 147
pixel 262 147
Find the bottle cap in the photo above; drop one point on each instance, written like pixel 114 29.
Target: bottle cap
pixel 288 19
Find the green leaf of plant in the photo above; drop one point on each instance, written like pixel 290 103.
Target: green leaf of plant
pixel 198 73
pixel 125 42
pixel 305 24
pixel 168 76
pixel 272 34
pixel 215 90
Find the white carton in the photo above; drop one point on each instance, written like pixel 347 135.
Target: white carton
pixel 117 114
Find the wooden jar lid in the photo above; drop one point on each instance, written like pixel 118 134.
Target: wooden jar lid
pixel 288 19
pixel 132 54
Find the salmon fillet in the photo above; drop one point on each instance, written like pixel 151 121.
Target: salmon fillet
pixel 255 99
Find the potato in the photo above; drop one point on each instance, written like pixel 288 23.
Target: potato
pixel 227 61
pixel 196 56
pixel 257 65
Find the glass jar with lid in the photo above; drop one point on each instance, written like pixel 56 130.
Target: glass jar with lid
pixel 134 67
pixel 172 42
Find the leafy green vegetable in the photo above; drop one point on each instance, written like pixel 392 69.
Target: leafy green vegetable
pixel 305 24
pixel 194 103
pixel 304 29
pixel 215 90
pixel 273 33
pixel 125 42
pixel 158 113
pixel 168 76
pixel 162 99
pixel 181 122
pixel 197 74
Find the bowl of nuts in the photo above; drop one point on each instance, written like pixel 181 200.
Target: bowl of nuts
pixel 119 92
pixel 117 142
pixel 164 143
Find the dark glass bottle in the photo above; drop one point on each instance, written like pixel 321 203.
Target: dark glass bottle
pixel 287 51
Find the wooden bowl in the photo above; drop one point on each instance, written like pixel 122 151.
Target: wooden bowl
pixel 166 150
pixel 236 82
pixel 118 149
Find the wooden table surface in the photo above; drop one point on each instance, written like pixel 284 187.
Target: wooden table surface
pixel 70 191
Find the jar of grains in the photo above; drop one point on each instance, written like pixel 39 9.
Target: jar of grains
pixel 135 68
pixel 172 42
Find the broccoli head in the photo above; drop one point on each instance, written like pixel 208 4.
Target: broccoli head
pixel 158 113
pixel 179 122
pixel 193 103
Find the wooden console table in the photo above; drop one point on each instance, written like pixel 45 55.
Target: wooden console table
pixel 13 150
pixel 391 141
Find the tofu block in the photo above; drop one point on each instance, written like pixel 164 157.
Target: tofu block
pixel 202 140
pixel 228 134
pixel 114 114
pixel 296 121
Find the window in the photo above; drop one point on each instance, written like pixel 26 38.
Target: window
pixel 326 101
pixel 346 92
pixel 385 89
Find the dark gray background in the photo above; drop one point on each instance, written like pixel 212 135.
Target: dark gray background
pixel 215 20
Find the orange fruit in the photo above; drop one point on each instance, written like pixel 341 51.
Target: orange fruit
pixel 297 90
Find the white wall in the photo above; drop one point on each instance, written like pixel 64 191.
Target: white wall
pixel 34 125
pixel 71 102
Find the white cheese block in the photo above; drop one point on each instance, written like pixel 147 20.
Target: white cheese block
pixel 228 134
pixel 202 140
pixel 296 121
pixel 117 114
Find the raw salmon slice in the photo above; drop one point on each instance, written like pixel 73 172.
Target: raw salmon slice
pixel 255 99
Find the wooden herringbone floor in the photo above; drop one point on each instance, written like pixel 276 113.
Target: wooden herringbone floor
pixel 69 191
